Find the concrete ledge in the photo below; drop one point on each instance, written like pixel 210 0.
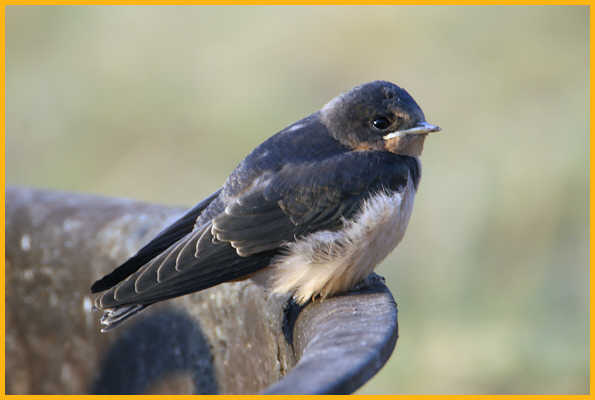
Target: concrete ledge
pixel 232 338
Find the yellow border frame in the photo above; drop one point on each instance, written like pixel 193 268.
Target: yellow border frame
pixel 4 3
pixel 295 2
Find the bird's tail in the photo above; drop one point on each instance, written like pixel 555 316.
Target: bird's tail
pixel 112 317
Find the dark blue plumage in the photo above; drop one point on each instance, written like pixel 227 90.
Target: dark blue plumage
pixel 310 177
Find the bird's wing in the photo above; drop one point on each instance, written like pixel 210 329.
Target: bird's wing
pixel 294 202
pixel 308 197
pixel 161 242
pixel 276 207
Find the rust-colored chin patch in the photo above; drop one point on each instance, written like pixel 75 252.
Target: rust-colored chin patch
pixel 365 146
pixel 392 145
pixel 408 145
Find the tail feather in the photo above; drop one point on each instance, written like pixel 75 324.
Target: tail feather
pixel 112 317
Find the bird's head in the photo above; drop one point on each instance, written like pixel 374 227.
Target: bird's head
pixel 377 116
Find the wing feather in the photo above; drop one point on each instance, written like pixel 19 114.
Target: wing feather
pixel 161 242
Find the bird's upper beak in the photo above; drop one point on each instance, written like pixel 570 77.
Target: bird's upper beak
pixel 420 128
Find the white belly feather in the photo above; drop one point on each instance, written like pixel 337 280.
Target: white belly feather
pixel 326 262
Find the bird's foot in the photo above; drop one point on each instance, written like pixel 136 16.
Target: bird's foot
pixel 369 281
pixel 291 310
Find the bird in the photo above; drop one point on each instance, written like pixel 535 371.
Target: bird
pixel 309 212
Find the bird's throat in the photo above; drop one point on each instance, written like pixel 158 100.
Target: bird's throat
pixel 407 145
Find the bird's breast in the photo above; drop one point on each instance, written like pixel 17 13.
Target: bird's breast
pixel 328 262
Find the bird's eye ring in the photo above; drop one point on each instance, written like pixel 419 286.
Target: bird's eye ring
pixel 380 123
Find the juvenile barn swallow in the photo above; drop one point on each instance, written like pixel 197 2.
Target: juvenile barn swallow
pixel 313 209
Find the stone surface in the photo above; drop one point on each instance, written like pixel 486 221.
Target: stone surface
pixel 232 338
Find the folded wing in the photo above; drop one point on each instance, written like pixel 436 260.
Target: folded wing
pixel 273 208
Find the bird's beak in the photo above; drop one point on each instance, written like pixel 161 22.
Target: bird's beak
pixel 420 128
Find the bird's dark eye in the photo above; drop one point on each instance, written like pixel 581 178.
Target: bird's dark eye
pixel 380 123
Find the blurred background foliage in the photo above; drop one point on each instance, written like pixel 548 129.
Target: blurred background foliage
pixel 161 103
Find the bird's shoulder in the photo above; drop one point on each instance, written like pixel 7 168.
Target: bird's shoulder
pixel 306 140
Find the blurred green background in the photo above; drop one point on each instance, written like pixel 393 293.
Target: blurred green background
pixel 161 103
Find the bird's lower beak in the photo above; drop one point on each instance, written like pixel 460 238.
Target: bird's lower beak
pixel 420 128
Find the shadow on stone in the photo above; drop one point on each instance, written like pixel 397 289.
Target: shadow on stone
pixel 157 347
